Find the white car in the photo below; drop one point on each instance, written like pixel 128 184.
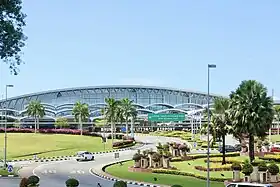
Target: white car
pixel 84 156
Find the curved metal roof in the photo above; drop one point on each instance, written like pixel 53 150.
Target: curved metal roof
pixel 109 86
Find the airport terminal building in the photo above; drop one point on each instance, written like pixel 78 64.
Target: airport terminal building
pixel 147 99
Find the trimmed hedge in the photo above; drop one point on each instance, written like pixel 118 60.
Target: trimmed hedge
pixel 122 143
pixel 183 173
pixel 197 156
pixel 50 131
pixel 219 168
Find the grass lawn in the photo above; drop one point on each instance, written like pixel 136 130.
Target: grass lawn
pixel 5 172
pixel 122 172
pixel 275 138
pixel 25 145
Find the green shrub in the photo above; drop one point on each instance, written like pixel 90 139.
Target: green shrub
pixel 273 169
pixel 236 166
pixel 247 168
pixel 120 184
pixel 33 180
pixel 72 182
pixel 176 185
pixel 262 166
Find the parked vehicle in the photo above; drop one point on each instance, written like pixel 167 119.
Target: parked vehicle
pixel 228 148
pixel 84 156
pixel 275 149
pixel 243 184
pixel 237 147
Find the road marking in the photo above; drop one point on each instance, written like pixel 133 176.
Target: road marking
pixel 34 173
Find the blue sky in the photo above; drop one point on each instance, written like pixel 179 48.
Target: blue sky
pixel 159 42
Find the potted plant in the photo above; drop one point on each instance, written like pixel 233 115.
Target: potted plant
pixel 273 169
pixel 120 184
pixel 236 168
pixel 255 173
pixel 137 157
pixel 72 182
pixel 247 169
pixel 262 167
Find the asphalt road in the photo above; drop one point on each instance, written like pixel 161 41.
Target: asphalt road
pixel 56 173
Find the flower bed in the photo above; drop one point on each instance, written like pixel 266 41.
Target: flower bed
pixel 219 159
pixel 123 144
pixel 50 131
pixel 197 156
pixel 274 157
pixel 226 167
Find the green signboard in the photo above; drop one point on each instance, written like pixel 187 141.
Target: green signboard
pixel 166 117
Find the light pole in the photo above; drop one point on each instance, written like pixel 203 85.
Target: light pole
pixel 208 124
pixel 5 138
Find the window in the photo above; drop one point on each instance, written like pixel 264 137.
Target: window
pixel 231 185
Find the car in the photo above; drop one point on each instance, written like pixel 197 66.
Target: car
pixel 84 156
pixel 244 184
pixel 237 147
pixel 275 149
pixel 228 148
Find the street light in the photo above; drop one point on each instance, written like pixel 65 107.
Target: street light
pixel 208 124
pixel 5 139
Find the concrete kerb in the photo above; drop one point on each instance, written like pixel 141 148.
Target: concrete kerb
pixel 60 158
pixel 9 176
pixel 117 179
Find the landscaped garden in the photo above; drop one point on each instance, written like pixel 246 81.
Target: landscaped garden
pixel 247 114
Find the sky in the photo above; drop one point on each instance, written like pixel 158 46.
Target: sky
pixel 155 43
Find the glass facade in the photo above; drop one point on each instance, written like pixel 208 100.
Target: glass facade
pixel 146 99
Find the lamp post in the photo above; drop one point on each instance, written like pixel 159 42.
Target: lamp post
pixel 5 138
pixel 208 124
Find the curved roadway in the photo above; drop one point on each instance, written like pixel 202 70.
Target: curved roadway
pixel 56 173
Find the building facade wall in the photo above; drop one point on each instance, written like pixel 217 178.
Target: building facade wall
pixel 60 102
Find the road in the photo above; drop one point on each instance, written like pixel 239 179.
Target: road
pixel 56 173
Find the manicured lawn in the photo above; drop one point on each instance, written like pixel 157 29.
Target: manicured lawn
pixel 25 145
pixel 122 172
pixel 275 138
pixel 5 172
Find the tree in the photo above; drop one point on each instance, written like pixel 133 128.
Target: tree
pixel 12 38
pixel 251 111
pixel 128 110
pixel 37 111
pixel 81 113
pixel 277 116
pixel 220 121
pixel 61 123
pixel 111 112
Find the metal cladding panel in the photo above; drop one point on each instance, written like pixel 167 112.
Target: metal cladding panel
pixel 145 98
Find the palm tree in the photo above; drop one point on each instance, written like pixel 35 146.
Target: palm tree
pixel 277 116
pixel 251 111
pixel 128 110
pixel 81 113
pixel 111 112
pixel 37 111
pixel 221 122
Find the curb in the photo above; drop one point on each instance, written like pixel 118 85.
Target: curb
pixel 60 158
pixel 9 176
pixel 128 182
